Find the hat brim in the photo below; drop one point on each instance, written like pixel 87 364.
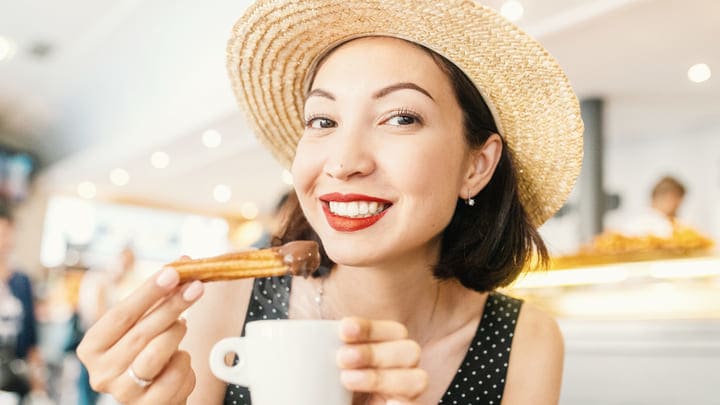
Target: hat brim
pixel 276 42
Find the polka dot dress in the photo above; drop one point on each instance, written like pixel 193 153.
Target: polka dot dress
pixel 481 376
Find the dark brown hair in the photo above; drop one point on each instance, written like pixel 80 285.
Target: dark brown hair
pixel 485 246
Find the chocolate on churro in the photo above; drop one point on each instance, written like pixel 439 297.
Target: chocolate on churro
pixel 299 258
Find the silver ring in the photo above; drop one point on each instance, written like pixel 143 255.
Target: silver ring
pixel 137 380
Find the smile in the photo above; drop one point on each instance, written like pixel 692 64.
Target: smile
pixel 353 212
pixel 356 209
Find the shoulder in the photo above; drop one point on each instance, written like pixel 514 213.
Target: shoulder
pixel 20 283
pixel 18 277
pixel 536 360
pixel 537 325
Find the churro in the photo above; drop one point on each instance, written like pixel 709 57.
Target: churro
pixel 300 258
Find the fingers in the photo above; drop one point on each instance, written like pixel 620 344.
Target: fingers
pixel 158 320
pixel 393 354
pixel 153 358
pixel 401 383
pixel 118 320
pixel 381 360
pixel 177 376
pixel 148 365
pixel 142 333
pixel 358 330
pixel 400 402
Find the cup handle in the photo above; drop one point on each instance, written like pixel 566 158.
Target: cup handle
pixel 237 374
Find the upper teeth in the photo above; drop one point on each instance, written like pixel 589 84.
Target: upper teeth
pixel 356 209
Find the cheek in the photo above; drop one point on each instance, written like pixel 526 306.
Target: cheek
pixel 432 171
pixel 303 168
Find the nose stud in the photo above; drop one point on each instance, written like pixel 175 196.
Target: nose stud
pixel 332 171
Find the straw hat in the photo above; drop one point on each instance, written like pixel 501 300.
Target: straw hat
pixel 277 42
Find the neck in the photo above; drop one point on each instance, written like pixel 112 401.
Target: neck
pixel 404 291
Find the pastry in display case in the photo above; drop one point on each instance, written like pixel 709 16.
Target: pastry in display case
pixel 615 247
pixel 630 277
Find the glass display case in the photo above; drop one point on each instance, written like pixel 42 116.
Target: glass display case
pixel 633 323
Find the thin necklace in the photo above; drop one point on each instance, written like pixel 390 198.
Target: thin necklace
pixel 320 298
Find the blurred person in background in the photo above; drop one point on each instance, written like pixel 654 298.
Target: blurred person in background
pixel 660 218
pixel 99 291
pixel 22 368
pixel 667 196
pixel 283 207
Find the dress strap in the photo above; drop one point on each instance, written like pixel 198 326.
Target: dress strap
pixel 481 376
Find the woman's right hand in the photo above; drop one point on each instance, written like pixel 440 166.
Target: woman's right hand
pixel 142 333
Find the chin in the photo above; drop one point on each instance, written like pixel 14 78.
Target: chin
pixel 351 254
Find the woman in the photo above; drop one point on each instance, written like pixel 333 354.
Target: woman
pixel 423 176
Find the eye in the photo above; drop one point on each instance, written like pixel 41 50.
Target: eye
pixel 403 117
pixel 320 123
pixel 402 120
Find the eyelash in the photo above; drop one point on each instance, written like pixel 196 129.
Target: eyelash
pixel 402 112
pixel 309 120
pixel 405 112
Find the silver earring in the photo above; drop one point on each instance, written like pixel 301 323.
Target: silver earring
pixel 470 200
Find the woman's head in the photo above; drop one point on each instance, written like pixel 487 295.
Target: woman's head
pixel 392 124
pixel 500 81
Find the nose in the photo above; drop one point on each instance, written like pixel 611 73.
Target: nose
pixel 350 155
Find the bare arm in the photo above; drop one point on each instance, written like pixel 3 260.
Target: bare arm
pixel 536 360
pixel 218 314
pixel 37 370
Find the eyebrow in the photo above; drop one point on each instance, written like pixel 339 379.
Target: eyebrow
pixel 320 93
pixel 401 86
pixel 378 94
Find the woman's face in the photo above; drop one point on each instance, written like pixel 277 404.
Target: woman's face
pixel 383 158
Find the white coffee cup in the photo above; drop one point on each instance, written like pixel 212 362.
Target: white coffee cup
pixel 284 362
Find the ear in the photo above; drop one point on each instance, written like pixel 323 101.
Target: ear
pixel 483 162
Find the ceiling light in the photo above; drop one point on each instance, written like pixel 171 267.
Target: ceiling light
pixel 512 10
pixel 211 138
pixel 287 177
pixel 249 210
pixel 119 177
pixel 222 193
pixel 7 49
pixel 160 160
pixel 699 73
pixel 86 190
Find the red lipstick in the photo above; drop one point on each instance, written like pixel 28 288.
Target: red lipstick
pixel 346 224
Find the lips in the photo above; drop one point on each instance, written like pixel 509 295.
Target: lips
pixel 353 212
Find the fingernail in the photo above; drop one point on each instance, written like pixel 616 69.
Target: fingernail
pixel 349 328
pixel 393 402
pixel 348 356
pixel 193 291
pixel 167 278
pixel 352 377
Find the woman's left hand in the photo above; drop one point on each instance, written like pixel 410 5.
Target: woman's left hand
pixel 379 360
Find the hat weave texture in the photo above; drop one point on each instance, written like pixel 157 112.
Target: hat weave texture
pixel 276 43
